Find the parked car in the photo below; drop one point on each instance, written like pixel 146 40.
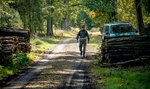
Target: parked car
pixel 118 29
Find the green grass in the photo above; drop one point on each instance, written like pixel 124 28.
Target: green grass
pixel 39 45
pixel 116 78
pixel 18 61
pixel 5 71
pixel 95 39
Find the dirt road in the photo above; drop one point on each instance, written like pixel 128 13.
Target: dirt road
pixel 62 69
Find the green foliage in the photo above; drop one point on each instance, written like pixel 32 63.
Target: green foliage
pixel 20 59
pixel 7 70
pixel 106 10
pixel 31 13
pixel 84 19
pixel 38 43
pixel 146 5
pixel 127 12
pixel 100 5
pixel 95 41
pixel 4 5
pixel 130 78
pixel 66 13
pixel 8 16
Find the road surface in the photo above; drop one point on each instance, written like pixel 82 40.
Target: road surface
pixel 63 68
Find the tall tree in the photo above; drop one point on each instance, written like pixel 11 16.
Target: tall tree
pixel 139 17
pixel 50 19
pixel 31 13
pixel 70 11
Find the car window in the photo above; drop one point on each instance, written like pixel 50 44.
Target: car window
pixel 122 28
pixel 106 29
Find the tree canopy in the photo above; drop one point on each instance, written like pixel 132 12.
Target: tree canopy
pixel 47 15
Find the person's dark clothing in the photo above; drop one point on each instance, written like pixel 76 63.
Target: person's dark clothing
pixel 82 36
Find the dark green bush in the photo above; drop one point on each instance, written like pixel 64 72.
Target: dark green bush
pixel 20 59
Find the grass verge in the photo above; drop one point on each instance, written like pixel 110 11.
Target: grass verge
pixel 18 61
pixel 119 78
pixel 95 39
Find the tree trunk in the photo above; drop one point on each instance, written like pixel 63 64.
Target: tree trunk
pixel 68 22
pixel 64 24
pixel 139 17
pixel 114 14
pixel 50 27
pixel 50 20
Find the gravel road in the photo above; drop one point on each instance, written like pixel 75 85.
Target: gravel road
pixel 61 69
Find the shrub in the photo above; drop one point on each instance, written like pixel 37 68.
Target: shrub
pixel 38 43
pixel 20 59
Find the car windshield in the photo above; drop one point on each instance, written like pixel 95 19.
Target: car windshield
pixel 121 28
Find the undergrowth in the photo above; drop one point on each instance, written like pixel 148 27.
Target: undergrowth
pixel 95 39
pixel 137 77
pixel 18 61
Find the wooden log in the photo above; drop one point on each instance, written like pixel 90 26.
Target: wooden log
pixel 19 33
pixel 6 52
pixel 6 38
pixel 129 51
pixel 9 41
pixel 129 47
pixel 118 48
pixel 129 42
pixel 23 40
pixel 125 62
pixel 126 38
pixel 14 33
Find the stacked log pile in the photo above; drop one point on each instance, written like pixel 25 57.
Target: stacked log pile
pixel 23 35
pixel 119 49
pixel 8 46
pixel 12 41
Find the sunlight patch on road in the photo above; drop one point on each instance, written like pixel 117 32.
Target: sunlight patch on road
pixel 43 84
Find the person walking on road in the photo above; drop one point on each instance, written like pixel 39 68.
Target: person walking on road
pixel 82 37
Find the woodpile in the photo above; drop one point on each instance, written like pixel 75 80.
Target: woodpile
pixel 119 49
pixel 8 46
pixel 12 41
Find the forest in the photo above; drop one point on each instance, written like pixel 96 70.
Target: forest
pixel 44 16
pixel 39 49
